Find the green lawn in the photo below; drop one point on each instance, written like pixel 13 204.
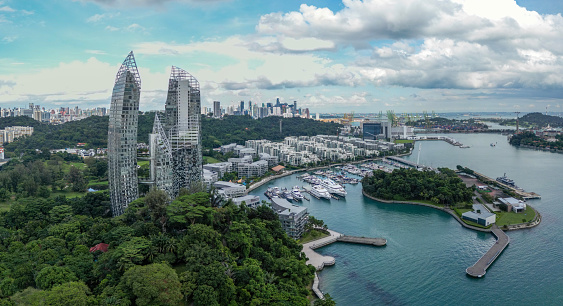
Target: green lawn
pixel 403 141
pixel 460 211
pixel 312 235
pixel 142 162
pixel 511 218
pixel 68 194
pixel 210 160
pixel 96 182
pixel 65 166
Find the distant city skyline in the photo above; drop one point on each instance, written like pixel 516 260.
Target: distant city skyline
pixel 329 56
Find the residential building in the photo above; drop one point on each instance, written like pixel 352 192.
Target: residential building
pixel 216 109
pixel 11 133
pixel 183 128
pixel 122 136
pixel 251 201
pixel 292 217
pixel 230 190
pixel 219 168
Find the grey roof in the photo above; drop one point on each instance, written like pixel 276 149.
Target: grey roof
pixel 285 208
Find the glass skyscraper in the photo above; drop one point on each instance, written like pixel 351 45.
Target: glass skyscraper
pixel 183 128
pixel 122 136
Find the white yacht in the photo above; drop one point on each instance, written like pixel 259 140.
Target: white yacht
pixel 333 187
pixel 320 192
pixel 297 193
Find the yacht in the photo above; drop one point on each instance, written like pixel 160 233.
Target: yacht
pixel 297 196
pixel 333 187
pixel 320 192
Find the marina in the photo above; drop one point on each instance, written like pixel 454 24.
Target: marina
pixel 365 276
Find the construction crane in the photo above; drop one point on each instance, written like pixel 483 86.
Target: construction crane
pixel 517 119
pixel 426 119
pixel 392 117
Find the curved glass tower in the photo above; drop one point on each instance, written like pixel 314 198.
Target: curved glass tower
pixel 122 136
pixel 183 128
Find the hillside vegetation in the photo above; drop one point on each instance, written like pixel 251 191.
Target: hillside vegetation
pixel 444 187
pixel 215 132
pixel 189 252
pixel 536 120
pixel 238 129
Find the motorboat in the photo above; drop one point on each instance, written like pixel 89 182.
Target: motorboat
pixel 296 192
pixel 320 192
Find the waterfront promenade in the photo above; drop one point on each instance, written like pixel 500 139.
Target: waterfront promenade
pixel 480 267
pixel 320 261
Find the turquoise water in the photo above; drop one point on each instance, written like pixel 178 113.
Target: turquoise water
pixel 427 252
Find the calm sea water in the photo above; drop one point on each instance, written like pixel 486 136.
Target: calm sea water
pixel 427 252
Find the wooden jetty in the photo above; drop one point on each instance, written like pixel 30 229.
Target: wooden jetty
pixel 480 267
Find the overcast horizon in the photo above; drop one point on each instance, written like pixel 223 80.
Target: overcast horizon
pixel 330 56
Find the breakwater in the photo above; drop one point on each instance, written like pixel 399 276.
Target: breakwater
pixel 480 267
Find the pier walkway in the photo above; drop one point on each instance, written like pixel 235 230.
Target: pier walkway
pixel 525 195
pixel 480 267
pixel 319 261
pixel 363 240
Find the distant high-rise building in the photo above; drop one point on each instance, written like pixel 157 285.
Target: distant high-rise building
pixel 183 128
pixel 277 101
pixel 216 109
pixel 122 136
pixel 241 110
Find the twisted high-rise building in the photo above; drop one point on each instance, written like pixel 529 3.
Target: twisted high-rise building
pixel 183 128
pixel 122 136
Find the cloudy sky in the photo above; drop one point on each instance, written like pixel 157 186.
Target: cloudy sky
pixel 329 55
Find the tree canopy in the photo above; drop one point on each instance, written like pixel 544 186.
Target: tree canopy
pixel 443 187
pixel 202 254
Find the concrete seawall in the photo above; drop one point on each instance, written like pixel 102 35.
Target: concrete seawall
pixel 446 210
pixel 480 267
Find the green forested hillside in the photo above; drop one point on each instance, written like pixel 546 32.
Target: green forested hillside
pixel 215 132
pixel 536 120
pixel 190 251
pixel 238 129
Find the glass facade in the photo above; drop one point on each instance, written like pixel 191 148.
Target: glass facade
pixel 122 136
pixel 372 130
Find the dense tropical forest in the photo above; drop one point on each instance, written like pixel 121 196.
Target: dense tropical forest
pixel 238 129
pixel 538 120
pixel 443 187
pixel 530 139
pixel 191 251
pixel 215 132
